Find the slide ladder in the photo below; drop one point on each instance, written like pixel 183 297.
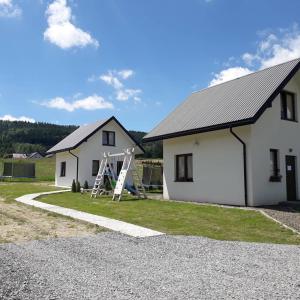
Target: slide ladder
pixel 129 167
pixel 123 176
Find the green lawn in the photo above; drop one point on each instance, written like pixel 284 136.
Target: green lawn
pixel 182 218
pixel 12 190
pixel 44 169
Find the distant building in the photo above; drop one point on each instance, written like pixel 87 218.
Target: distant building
pixel 19 156
pixel 35 155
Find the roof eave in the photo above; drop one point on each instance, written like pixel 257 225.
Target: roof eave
pixel 200 130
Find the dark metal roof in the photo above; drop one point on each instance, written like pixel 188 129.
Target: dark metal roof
pixel 233 103
pixel 83 133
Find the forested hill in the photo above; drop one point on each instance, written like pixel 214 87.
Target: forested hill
pixel 25 137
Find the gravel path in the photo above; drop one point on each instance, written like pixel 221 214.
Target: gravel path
pixel 285 214
pixel 113 266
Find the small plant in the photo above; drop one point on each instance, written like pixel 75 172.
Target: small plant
pixel 86 185
pixel 73 186
pixel 78 187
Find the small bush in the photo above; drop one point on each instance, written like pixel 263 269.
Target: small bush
pixel 78 187
pixel 86 185
pixel 73 186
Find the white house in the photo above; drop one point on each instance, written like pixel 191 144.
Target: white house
pixel 35 155
pixel 79 154
pixel 236 143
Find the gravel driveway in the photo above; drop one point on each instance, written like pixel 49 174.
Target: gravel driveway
pixel 112 266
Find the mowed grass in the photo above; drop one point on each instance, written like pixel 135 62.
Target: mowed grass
pixel 182 218
pixel 44 169
pixel 12 190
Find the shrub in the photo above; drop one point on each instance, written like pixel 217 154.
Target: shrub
pixel 86 185
pixel 78 187
pixel 73 186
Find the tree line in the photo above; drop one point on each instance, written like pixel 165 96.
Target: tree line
pixel 25 137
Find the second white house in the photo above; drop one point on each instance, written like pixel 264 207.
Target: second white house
pixel 78 155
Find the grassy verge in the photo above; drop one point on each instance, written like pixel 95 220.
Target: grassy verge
pixel 11 190
pixel 182 218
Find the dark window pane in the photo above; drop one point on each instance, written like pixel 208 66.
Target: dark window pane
pixel 95 167
pixel 289 107
pixel 180 167
pixel 111 139
pixel 63 169
pixel 189 167
pixel 104 138
pixel 274 163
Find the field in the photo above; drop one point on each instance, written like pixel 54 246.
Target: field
pixel 44 169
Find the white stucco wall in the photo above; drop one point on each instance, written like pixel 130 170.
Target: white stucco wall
pixel 217 167
pixel 88 151
pixel 65 181
pixel 270 132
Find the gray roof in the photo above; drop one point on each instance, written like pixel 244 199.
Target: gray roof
pixel 81 134
pixel 233 103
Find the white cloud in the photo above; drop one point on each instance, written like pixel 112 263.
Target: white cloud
pixel 11 118
pixel 9 10
pixel 116 80
pixel 272 49
pixel 124 95
pixel 229 74
pixel 93 102
pixel 112 80
pixel 61 31
pixel 248 58
pixel 125 74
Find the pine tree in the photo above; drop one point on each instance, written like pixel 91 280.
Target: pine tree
pixel 86 185
pixel 78 187
pixel 73 186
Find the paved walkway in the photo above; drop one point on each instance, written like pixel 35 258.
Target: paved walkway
pixel 115 225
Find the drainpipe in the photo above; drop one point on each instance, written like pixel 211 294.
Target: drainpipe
pixel 245 164
pixel 77 163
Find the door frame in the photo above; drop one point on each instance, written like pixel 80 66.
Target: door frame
pixel 296 177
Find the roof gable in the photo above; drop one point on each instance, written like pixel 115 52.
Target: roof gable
pixel 83 133
pixel 233 103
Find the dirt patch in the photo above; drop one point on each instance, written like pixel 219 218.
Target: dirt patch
pixel 19 222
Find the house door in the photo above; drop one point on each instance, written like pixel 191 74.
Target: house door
pixel 290 165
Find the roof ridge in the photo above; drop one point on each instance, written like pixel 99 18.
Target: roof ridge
pixel 252 73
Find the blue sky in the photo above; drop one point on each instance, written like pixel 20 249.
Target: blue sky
pixel 74 62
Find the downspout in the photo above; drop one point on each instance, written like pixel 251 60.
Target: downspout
pixel 77 163
pixel 245 164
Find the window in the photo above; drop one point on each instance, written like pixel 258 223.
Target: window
pixel 63 169
pixel 95 167
pixel 288 106
pixel 119 166
pixel 274 165
pixel 108 138
pixel 184 167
